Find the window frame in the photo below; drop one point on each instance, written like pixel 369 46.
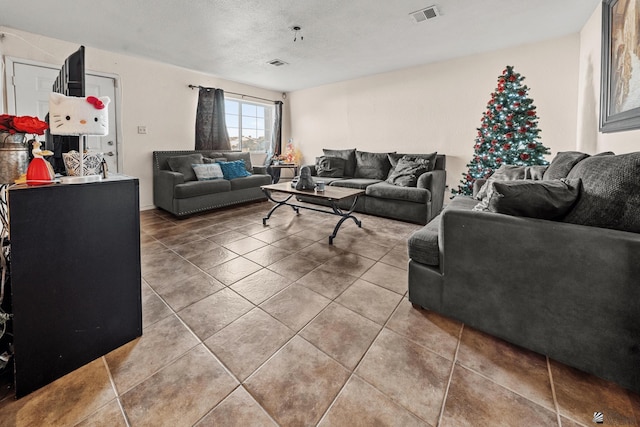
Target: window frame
pixel 268 122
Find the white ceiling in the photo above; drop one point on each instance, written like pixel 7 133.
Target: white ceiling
pixel 343 39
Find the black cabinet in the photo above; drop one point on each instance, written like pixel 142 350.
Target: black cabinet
pixel 75 275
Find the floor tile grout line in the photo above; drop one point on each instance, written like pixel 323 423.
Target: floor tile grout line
pixel 553 391
pixel 453 367
pixel 115 390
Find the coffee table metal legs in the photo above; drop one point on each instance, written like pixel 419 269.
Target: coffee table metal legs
pixel 334 206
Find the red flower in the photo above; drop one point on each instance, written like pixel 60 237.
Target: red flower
pixel 499 107
pixel 496 127
pixel 494 141
pixel 509 123
pixel 499 160
pixel 522 129
pixel 512 78
pixel 22 124
pixel 29 124
pixel 531 113
pixel 492 150
pixel 510 117
pixel 508 135
pixel 525 156
pixel 531 145
pixel 516 104
pixel 506 147
pixel 521 93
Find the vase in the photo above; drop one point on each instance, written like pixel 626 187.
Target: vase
pixel 14 156
pixel 91 163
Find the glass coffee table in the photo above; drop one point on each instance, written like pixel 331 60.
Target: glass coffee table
pixel 333 195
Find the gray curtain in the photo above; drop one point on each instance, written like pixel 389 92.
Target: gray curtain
pixel 211 129
pixel 275 147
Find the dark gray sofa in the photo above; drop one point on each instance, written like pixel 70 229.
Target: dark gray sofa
pixel 182 194
pixel 567 288
pixel 369 171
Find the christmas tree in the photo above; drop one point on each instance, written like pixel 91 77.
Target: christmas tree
pixel 508 134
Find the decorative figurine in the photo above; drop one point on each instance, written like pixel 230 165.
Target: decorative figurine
pixel 40 171
pixel 305 182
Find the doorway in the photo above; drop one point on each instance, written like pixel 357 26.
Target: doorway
pixel 28 88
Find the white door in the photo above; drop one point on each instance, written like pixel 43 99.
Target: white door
pixel 31 85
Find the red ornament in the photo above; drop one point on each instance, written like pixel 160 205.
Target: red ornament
pixel 512 78
pixel 516 104
pixel 501 81
pixel 496 127
pixel 531 145
pixel 492 150
pixel 494 141
pixel 521 93
pixel 522 129
pixel 510 117
pixel 509 124
pixel 525 156
pixel 508 135
pixel 506 147
pixel 499 107
pixel 500 89
pixel 531 113
pixel 499 160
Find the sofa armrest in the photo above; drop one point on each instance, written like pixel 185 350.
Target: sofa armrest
pixel 164 182
pixel 260 170
pixel 435 182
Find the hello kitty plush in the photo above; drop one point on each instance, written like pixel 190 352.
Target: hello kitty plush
pixel 71 115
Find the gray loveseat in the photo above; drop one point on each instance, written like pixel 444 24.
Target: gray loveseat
pixel 412 198
pixel 568 288
pixel 176 188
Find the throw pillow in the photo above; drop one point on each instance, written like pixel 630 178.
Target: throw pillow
pixel 234 169
pixel 208 172
pixel 214 159
pixel 349 156
pixel 503 173
pixel 562 164
pixel 372 165
pixel 182 164
pixel 240 155
pixel 407 171
pixel 610 196
pixel 550 199
pixel 535 172
pixel 394 157
pixel 332 167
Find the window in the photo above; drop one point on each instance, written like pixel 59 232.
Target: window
pixel 249 125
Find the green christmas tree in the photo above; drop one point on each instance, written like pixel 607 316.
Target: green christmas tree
pixel 508 134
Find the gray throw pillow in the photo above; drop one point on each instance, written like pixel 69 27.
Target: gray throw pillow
pixel 207 160
pixel 240 155
pixel 562 164
pixel 503 173
pixel 407 172
pixel 535 199
pixel 182 164
pixel 372 165
pixel 394 157
pixel 349 156
pixel 535 172
pixel 610 196
pixel 330 167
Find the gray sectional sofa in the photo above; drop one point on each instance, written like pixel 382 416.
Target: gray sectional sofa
pixel 176 188
pixel 406 195
pixel 567 287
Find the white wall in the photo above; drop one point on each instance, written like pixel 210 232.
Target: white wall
pixel 438 107
pixel 152 94
pixel 590 140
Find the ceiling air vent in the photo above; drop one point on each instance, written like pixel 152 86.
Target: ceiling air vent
pixel 277 62
pixel 430 12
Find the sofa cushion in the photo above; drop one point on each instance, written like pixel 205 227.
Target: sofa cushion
pixel 535 172
pixel 182 164
pixel 503 173
pixel 209 160
pixel 250 182
pixel 349 155
pixel 200 188
pixel 331 167
pixel 239 155
pixel 535 199
pixel 407 171
pixel 358 183
pixel 562 163
pixel 610 195
pixel 384 190
pixel 207 172
pixel 394 157
pixel 234 169
pixel 372 165
pixel 423 244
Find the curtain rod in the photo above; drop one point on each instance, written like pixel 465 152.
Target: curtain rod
pixel 232 93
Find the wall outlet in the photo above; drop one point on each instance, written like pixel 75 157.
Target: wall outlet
pixel 142 130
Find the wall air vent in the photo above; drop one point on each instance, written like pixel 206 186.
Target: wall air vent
pixel 277 62
pixel 430 12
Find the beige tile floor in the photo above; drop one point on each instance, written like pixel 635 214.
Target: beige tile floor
pixel 246 325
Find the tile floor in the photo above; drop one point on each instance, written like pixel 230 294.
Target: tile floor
pixel 246 325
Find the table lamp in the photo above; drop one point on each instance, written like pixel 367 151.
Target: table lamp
pixel 80 116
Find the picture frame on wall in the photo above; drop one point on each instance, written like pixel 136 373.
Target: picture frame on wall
pixel 620 84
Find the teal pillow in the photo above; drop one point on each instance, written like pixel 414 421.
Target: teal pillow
pixel 234 169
